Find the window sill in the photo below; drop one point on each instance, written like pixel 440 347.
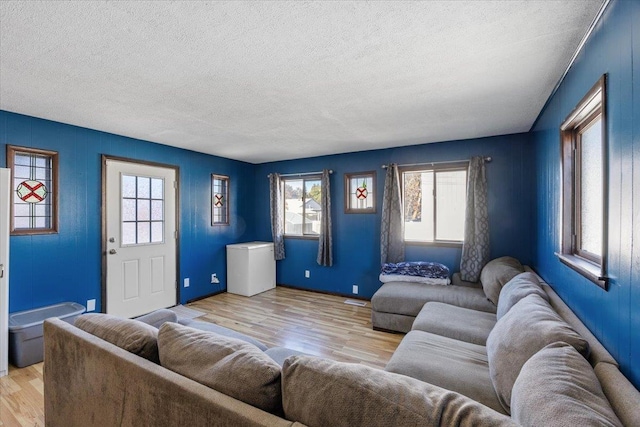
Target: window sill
pixel 444 244
pixel 301 237
pixel 586 268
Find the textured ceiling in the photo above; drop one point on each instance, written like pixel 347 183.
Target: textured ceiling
pixel 264 81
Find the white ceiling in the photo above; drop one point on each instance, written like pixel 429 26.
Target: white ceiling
pixel 265 81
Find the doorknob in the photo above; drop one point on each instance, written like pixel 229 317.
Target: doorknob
pixel 112 251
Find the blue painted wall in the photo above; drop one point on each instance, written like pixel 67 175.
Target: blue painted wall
pixel 356 237
pixel 47 269
pixel 613 316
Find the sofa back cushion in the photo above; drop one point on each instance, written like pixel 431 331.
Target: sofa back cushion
pixel 517 288
pixel 557 386
pixel 228 365
pixel 319 392
pixel 496 273
pixel 135 337
pixel 527 328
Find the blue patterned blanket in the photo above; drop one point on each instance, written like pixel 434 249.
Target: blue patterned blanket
pixel 433 270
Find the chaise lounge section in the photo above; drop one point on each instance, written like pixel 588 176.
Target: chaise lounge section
pixel 396 304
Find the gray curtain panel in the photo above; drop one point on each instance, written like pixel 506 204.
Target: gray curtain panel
pixel 277 215
pixel 325 242
pixel 475 249
pixel 392 225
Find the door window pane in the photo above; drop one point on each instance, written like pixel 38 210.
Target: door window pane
pixel 142 210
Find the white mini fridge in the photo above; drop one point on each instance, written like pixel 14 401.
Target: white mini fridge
pixel 251 268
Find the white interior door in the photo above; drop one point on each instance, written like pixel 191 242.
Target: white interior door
pixel 141 238
pixel 5 178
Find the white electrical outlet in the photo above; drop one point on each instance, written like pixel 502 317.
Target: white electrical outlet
pixel 214 278
pixel 355 289
pixel 306 274
pixel 91 305
pixel 186 282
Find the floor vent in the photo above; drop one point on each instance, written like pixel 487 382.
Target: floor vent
pixel 355 302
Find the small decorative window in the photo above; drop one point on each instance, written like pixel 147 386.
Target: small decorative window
pixel 359 192
pixel 219 200
pixel 34 204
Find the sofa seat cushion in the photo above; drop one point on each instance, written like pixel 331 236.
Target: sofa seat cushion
pixel 520 286
pixel 557 386
pixel 136 337
pixel 459 323
pixel 409 298
pixel 228 365
pixel 448 363
pixel 221 330
pixel 526 329
pixel 497 273
pixel 320 392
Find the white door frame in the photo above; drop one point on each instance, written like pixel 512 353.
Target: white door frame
pixel 103 213
pixel 5 194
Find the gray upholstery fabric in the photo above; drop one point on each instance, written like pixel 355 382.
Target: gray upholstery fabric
pixel 135 337
pixel 391 322
pixel 622 395
pixel 221 330
pixel 497 273
pixel 455 322
pixel 456 280
pixel 528 327
pixel 158 317
pixel 517 288
pixel 89 382
pixel 475 248
pixel 325 240
pixel 229 365
pixel 409 298
pixel 280 354
pixel 321 393
pixel 448 363
pixel 392 224
pixel 557 386
pixel 597 352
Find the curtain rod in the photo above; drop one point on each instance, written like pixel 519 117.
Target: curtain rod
pixel 301 174
pixel 486 159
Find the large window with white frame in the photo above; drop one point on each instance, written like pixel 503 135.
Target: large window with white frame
pixel 434 201
pixel 302 209
pixel 584 170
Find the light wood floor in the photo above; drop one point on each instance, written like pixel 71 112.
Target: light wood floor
pixel 314 323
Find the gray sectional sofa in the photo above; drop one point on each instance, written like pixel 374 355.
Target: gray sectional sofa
pixel 531 363
pixel 518 359
pixel 120 372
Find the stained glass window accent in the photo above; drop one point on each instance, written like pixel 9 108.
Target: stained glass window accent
pixel 142 210
pixel 34 196
pixel 219 200
pixel 359 192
